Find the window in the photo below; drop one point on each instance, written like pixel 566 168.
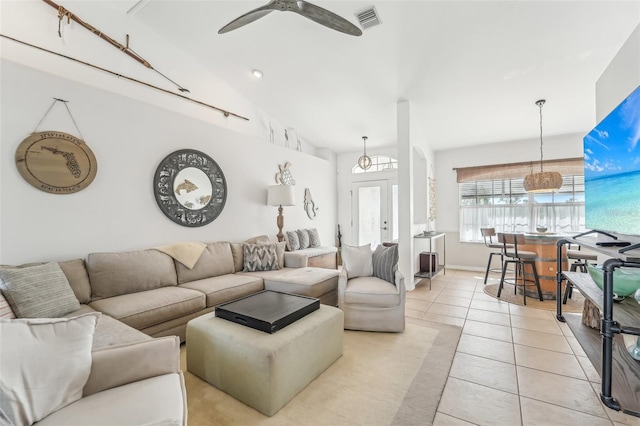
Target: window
pixel 504 204
pixel 379 163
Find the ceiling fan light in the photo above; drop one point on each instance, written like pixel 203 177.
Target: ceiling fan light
pixel 257 73
pixel 543 182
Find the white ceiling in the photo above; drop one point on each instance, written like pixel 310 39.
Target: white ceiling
pixel 472 70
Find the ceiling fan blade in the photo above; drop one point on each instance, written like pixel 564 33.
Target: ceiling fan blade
pixel 325 17
pixel 247 18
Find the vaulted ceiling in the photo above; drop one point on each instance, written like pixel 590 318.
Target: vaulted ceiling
pixel 472 70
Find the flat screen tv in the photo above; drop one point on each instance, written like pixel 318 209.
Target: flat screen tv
pixel 612 170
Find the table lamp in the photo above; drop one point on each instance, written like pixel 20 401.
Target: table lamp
pixel 280 195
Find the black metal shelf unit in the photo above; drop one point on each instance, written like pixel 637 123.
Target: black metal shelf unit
pixel 627 257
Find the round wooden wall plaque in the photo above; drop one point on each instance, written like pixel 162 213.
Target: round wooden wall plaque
pixel 56 162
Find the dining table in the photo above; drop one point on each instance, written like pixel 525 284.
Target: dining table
pixel 545 247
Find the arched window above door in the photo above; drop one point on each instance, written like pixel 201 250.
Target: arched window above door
pixel 379 163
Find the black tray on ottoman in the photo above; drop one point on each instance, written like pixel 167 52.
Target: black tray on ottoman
pixel 267 311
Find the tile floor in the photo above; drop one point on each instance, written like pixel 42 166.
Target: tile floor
pixel 514 365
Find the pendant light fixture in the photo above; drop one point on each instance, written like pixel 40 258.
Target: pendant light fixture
pixel 542 181
pixel 364 162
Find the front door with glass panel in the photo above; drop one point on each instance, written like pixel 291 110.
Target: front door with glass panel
pixel 374 207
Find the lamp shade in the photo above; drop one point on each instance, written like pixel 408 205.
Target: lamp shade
pixel 281 195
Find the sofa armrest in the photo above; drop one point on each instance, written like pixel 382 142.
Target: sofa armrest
pixel 295 260
pixel 119 365
pixel 400 285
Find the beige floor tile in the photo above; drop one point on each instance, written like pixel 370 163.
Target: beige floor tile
pixel 535 324
pixel 417 305
pixel 550 361
pixel 541 413
pixel 422 295
pixel 490 331
pixel 484 371
pixel 560 390
pixel 589 370
pixel 575 346
pixel 525 311
pixel 457 292
pixel 462 285
pixel 450 310
pixel 493 306
pixel 481 295
pixel 487 348
pixel 469 402
pixel 444 319
pixel 445 420
pixel 565 329
pixel 454 300
pixel 618 417
pixel 412 313
pixel 489 317
pixel 537 339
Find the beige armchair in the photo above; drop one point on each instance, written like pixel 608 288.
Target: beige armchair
pixel 372 304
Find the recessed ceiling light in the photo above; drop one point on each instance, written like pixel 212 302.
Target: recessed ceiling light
pixel 257 73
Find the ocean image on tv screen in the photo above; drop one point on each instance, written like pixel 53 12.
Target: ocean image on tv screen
pixel 612 170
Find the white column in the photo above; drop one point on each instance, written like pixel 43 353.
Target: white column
pixel 405 193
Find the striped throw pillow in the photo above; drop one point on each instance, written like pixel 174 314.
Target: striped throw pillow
pixel 5 309
pixel 303 237
pixel 385 263
pixel 40 291
pixel 292 241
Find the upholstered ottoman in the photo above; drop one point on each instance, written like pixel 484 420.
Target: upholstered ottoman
pixel 265 371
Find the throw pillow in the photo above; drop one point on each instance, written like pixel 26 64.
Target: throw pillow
pixel 385 262
pixel 45 364
pixel 260 257
pixel 314 237
pixel 293 241
pixel 40 291
pixel 5 310
pixel 357 261
pixel 303 237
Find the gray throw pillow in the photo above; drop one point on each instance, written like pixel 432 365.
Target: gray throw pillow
pixel 292 240
pixel 40 291
pixel 385 263
pixel 303 237
pixel 314 237
pixel 260 257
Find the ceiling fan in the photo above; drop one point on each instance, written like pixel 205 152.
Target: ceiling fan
pixel 301 7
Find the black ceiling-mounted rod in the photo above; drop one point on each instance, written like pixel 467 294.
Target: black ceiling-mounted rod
pixel 223 111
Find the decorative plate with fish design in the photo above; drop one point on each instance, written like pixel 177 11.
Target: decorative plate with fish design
pixel 56 162
pixel 190 188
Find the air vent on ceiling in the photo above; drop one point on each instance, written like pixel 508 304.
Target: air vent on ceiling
pixel 369 18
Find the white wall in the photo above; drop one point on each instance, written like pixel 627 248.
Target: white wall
pixel 129 138
pixel 620 78
pixel 475 255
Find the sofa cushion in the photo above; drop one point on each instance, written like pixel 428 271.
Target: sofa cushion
pixel 237 249
pixel 385 262
pixel 145 309
pixel 45 364
pixel 78 277
pixel 157 401
pixel 358 261
pixel 371 291
pixel 224 288
pixel 111 332
pixel 260 257
pixel 215 260
pixel 24 289
pixel 312 282
pixel 114 274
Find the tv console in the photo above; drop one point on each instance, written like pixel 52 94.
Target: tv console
pixel 616 365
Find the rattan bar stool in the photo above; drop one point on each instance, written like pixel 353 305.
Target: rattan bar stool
pixel 518 258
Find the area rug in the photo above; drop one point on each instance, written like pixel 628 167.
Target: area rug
pixel 381 379
pixel 574 305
